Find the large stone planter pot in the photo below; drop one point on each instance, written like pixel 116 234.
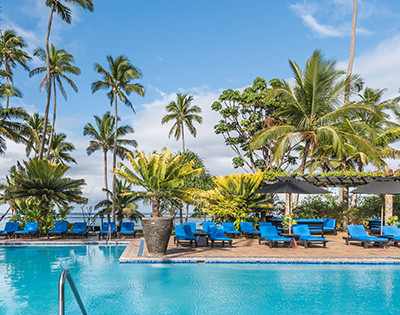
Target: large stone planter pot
pixel 156 233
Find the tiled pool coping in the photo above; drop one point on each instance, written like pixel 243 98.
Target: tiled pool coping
pixel 23 244
pixel 261 262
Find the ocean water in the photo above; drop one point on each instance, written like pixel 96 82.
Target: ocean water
pixel 29 277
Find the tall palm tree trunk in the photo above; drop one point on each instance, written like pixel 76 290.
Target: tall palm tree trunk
pixel 7 80
pixel 114 159
pixel 183 138
pixel 46 114
pixel 54 120
pixel 106 181
pixel 344 191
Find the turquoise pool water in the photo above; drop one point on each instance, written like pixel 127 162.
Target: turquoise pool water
pixel 29 276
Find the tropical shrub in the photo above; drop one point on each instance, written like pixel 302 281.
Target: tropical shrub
pixel 232 198
pixel 319 206
pixel 393 220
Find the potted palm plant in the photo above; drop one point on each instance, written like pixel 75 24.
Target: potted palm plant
pixel 162 176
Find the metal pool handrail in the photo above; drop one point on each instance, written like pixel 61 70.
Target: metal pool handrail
pixel 66 275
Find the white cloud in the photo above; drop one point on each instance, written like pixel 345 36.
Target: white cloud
pixel 340 15
pixel 380 66
pixel 305 12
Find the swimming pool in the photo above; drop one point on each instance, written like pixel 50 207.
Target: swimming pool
pixel 29 277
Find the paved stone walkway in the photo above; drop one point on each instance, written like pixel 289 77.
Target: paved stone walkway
pixel 248 250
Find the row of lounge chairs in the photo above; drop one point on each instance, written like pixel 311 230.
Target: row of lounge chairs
pixel 357 233
pixel 188 233
pixel 61 228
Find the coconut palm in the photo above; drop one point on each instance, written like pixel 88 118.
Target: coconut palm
pixel 57 6
pixel 125 204
pixel 162 176
pixel 44 182
pixel 33 133
pixel 182 113
pixel 118 80
pixel 58 152
pixel 11 54
pixel 313 112
pixel 60 64
pixel 102 135
pixel 9 128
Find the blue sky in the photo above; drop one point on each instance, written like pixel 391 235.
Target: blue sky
pixel 196 47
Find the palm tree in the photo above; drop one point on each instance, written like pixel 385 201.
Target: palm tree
pixel 64 12
pixel 312 115
pixel 102 136
pixel 162 175
pixel 42 181
pixel 58 152
pixel 183 114
pixel 118 79
pixel 9 128
pixel 60 64
pixel 11 53
pixel 33 133
pixel 125 204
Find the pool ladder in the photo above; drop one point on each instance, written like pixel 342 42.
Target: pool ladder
pixel 66 275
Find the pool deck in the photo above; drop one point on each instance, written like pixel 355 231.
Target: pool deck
pixel 249 251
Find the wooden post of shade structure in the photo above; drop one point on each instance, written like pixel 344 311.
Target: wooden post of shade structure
pixel 388 206
pixel 288 203
pixel 289 198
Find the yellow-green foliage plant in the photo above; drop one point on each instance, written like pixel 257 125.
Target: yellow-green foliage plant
pixel 233 199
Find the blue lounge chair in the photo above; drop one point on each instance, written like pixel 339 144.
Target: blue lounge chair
pixel 265 224
pixel 229 228
pixel 30 229
pixel 392 232
pixel 103 233
pixel 330 226
pixel 358 233
pixel 9 229
pixel 304 234
pixel 217 234
pixel 374 226
pixel 193 228
pixel 79 229
pixel 270 234
pixel 127 228
pixel 206 226
pixel 183 233
pixel 60 228
pixel 247 229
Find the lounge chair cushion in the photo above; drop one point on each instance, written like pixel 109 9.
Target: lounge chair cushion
pixel 184 233
pixel 270 233
pixel 304 232
pixel 127 227
pixel 30 227
pixel 229 228
pixel 217 234
pixel 192 227
pixel 59 227
pixel 206 226
pixel 10 227
pixel 79 227
pixel 247 227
